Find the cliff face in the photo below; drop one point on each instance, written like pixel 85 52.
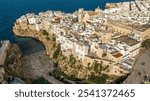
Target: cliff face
pixel 13 61
pixel 12 65
pixel 71 69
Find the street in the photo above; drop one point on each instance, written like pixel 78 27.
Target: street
pixel 141 70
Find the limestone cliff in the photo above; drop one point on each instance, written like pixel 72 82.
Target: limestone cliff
pixel 70 69
pixel 12 65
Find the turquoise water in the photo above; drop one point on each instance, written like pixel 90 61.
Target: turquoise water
pixel 10 10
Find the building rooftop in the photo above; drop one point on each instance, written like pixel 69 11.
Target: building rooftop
pixel 139 27
pixel 129 41
pixel 82 43
pixel 117 55
pixel 92 13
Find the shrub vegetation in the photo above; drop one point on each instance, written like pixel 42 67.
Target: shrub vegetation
pixel 45 33
pixel 146 44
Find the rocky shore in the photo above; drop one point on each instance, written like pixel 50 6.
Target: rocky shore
pixel 12 65
pixel 35 62
pixel 38 65
pixel 26 64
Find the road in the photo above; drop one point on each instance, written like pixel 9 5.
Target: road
pixel 141 69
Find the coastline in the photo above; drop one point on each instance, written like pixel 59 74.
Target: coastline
pixel 85 44
pixel 76 70
pixel 29 45
pixel 35 62
pixel 25 6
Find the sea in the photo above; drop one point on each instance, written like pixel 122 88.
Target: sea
pixel 10 10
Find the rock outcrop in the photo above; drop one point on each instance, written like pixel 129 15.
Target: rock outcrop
pixel 74 70
pixel 12 65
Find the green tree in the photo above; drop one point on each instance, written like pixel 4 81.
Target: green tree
pixel 45 33
pixel 72 59
pixel 57 52
pixel 97 67
pixel 146 44
pixel 98 79
pixel 40 80
pixel 54 39
pixel 47 38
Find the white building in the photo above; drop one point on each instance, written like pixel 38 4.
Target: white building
pixel 38 27
pixel 128 46
pixel 80 15
pixel 33 20
pixel 66 43
pixel 81 49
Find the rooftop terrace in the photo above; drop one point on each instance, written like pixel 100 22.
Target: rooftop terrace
pixel 129 41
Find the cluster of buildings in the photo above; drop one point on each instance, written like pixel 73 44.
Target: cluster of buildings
pixel 127 17
pixel 113 35
pixel 135 11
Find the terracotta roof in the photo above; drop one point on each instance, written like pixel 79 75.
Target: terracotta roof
pixel 117 55
pixel 58 18
pixel 91 13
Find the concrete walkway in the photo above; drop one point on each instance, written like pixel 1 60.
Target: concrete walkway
pixel 141 69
